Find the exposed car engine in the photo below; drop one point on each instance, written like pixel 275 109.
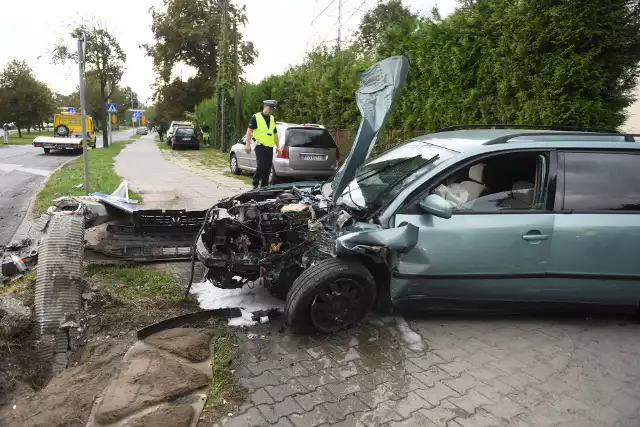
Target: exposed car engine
pixel 269 234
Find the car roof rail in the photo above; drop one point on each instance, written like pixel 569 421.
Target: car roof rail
pixel 503 139
pixel 532 127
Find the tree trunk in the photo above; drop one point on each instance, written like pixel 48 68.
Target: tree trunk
pixel 19 131
pixel 103 115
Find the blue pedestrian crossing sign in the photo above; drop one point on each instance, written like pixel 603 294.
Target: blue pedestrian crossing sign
pixel 136 114
pixel 112 108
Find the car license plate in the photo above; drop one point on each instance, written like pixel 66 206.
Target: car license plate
pixel 187 139
pixel 310 157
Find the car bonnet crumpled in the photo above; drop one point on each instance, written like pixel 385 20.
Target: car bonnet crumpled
pixel 379 88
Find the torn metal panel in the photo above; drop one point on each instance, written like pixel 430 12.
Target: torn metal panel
pixel 380 86
pixel 400 239
pixel 116 203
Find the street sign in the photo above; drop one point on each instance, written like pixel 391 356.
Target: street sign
pixel 71 110
pixel 113 108
pixel 136 114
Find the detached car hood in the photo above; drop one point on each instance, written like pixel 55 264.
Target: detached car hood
pixel 380 85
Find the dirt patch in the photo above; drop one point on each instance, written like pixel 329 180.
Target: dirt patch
pixel 192 344
pixel 111 320
pixel 148 378
pixel 20 367
pixel 166 416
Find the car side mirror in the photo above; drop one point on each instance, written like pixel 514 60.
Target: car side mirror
pixel 437 206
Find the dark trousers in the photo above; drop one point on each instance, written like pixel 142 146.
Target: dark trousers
pixel 264 160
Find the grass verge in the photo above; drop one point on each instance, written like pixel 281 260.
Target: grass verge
pixel 27 138
pixel 102 177
pixel 225 393
pixel 22 288
pixel 137 285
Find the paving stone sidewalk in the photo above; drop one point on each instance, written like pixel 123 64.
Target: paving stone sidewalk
pixel 166 185
pixel 473 372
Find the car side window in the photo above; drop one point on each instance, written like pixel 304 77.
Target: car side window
pixel 504 182
pixel 601 181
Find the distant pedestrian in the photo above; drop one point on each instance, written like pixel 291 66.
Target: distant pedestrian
pixel 262 130
pixel 5 133
pixel 205 134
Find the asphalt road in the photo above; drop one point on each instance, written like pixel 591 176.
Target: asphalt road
pixel 22 170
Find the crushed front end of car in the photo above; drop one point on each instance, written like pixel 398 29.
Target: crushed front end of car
pixel 270 235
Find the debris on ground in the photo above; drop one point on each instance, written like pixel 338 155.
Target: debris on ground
pixel 12 265
pixel 412 339
pixel 100 336
pixel 252 298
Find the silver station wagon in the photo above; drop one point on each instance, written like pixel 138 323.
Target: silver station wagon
pixel 308 151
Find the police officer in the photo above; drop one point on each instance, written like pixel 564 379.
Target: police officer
pixel 205 134
pixel 262 129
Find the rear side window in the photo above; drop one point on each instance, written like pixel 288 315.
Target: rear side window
pixel 309 138
pixel 602 182
pixel 184 132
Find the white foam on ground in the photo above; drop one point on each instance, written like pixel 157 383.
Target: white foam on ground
pixel 246 299
pixel 412 339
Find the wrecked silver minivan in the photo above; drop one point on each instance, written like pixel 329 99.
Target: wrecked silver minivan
pixel 319 245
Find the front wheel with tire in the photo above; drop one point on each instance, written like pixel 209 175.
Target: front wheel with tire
pixel 233 165
pixel 330 296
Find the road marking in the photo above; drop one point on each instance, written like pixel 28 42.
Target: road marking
pixel 10 167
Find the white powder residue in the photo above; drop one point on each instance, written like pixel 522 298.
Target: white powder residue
pixel 412 339
pixel 246 299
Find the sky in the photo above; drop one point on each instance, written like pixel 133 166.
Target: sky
pixel 29 28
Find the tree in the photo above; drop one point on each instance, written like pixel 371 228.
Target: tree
pixel 380 19
pixel 104 61
pixel 199 34
pixel 24 100
pixel 190 31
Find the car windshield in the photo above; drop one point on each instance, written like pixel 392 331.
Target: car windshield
pixel 382 178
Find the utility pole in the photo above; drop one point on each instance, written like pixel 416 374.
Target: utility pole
pixel 83 114
pixel 133 123
pixel 235 52
pixel 339 23
pixel 110 136
pixel 225 51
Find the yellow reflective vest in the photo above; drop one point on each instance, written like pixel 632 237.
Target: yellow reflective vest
pixel 264 134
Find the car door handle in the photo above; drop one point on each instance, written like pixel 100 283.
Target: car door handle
pixel 537 237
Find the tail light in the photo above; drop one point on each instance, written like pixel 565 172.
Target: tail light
pixel 337 154
pixel 284 153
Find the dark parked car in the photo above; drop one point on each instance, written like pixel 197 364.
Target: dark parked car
pixel 184 137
